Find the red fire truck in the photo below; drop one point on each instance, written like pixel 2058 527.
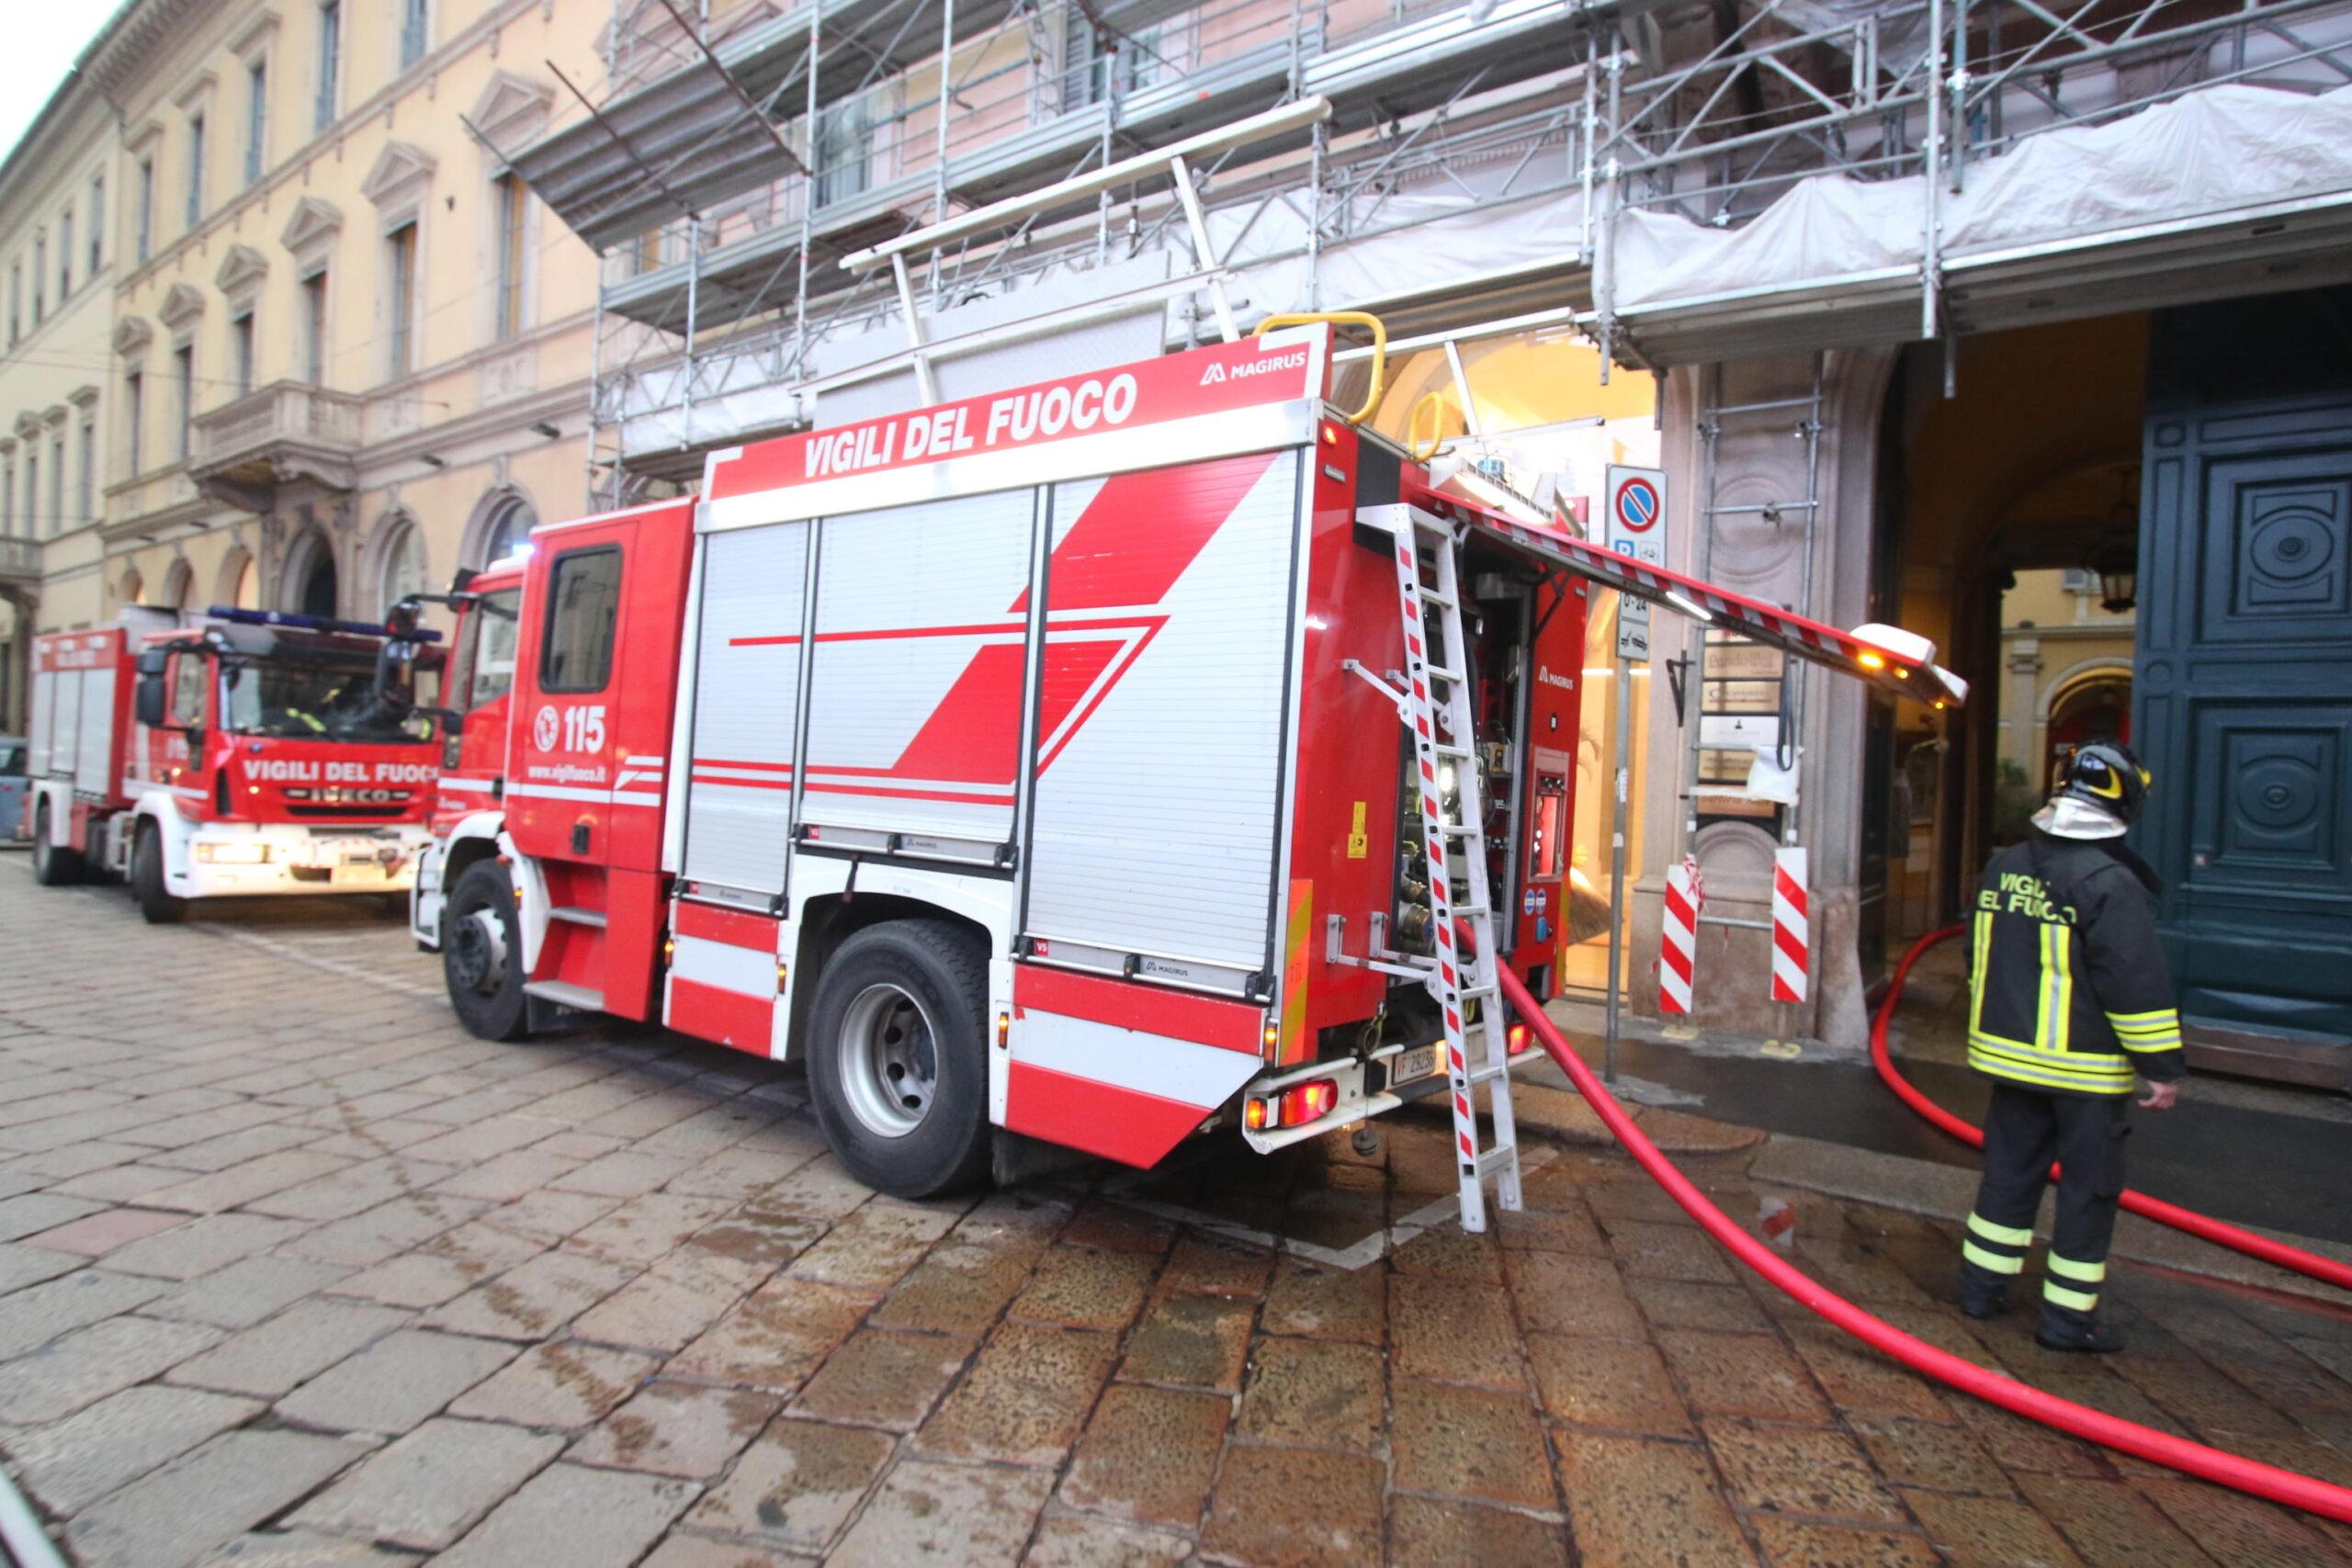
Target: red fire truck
pixel 234 753
pixel 1146 752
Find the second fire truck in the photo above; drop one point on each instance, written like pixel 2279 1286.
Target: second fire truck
pixel 1145 753
pixel 229 754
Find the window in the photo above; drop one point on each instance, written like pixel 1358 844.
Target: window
pixel 1089 75
pixel 844 152
pixel 86 487
pixel 57 483
pixel 330 64
pixel 195 170
pixel 401 264
pixel 145 216
pixel 490 649
pixel 8 496
pixel 414 25
pixel 186 711
pixel 40 278
pixel 184 387
pixel 134 409
pixel 32 492
pixel 15 301
pixel 240 345
pixel 508 194
pixel 65 256
pixel 584 601
pixel 256 119
pixel 314 329
pixel 98 224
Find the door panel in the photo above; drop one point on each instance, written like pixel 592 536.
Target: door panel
pixel 2244 659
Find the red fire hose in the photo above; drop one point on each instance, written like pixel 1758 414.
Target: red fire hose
pixel 2194 1459
pixel 2139 1203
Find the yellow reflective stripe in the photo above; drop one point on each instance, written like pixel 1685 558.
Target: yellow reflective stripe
pixel 1984 939
pixel 1991 1261
pixel 2006 1236
pixel 2146 1046
pixel 2052 1291
pixel 2057 989
pixel 2073 1064
pixel 2136 1020
pixel 2027 1076
pixel 2081 1273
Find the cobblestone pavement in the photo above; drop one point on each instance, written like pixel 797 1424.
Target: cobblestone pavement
pixel 292 1272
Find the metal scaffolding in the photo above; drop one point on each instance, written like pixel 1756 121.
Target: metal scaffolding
pixel 1075 160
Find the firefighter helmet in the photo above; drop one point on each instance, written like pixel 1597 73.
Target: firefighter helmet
pixel 2104 773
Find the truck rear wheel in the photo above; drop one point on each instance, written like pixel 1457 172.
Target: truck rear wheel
pixel 155 901
pixel 54 865
pixel 482 953
pixel 898 1057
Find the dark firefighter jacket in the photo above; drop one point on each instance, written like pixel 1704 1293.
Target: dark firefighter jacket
pixel 2068 990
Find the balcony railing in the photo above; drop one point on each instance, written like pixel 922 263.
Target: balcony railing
pixel 19 560
pixel 289 430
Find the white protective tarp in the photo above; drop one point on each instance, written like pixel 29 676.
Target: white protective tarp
pixel 2213 151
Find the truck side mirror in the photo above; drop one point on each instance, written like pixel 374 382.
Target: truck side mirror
pixel 149 698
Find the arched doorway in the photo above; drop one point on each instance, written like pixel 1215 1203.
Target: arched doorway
pixel 400 566
pixel 178 582
pixel 503 524
pixel 134 587
pixel 308 585
pixel 2096 709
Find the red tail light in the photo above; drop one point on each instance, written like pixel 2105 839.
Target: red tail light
pixel 1307 1102
pixel 1516 1038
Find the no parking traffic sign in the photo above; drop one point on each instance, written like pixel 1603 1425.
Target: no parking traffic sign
pixel 1633 523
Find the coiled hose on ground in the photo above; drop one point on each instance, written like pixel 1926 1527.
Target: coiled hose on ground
pixel 2202 1226
pixel 2190 1457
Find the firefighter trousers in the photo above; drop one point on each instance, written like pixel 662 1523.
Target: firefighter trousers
pixel 2024 1131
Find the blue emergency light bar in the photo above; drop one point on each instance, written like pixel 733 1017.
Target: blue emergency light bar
pixel 314 624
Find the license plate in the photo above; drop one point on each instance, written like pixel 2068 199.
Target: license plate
pixel 360 871
pixel 1417 1063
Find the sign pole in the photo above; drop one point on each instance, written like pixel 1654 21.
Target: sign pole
pixel 1623 758
pixel 1633 524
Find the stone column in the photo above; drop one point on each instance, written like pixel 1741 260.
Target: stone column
pixel 1761 459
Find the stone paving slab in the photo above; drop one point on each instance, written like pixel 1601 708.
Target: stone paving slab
pixel 323 1280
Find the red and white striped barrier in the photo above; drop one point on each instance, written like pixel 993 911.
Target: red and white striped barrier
pixel 1678 938
pixel 1790 930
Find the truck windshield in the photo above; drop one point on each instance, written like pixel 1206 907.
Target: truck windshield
pixel 313 702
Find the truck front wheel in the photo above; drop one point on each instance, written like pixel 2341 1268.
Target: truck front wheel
pixel 155 901
pixel 54 865
pixel 482 953
pixel 898 1059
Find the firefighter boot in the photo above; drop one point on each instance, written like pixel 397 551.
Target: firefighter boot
pixel 1983 1293
pixel 2059 1329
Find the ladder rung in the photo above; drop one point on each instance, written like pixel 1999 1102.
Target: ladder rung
pixel 1467 911
pixel 1489 1072
pixel 1503 1158
pixel 1479 993
pixel 1431 596
pixel 1444 672
pixel 1462 830
pixel 1446 749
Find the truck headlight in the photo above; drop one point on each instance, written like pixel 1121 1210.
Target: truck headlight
pixel 233 854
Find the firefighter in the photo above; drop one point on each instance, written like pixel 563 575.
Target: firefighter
pixel 2069 1001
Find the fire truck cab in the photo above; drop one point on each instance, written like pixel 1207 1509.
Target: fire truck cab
pixel 241 753
pixel 1060 761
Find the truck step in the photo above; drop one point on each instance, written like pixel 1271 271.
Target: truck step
pixel 563 993
pixel 572 914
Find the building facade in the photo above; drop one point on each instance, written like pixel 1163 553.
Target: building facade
pixel 347 354
pixel 58 247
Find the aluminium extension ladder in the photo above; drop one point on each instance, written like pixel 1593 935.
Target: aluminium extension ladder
pixel 1462 973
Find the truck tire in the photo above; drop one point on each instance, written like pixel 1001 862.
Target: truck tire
pixel 156 903
pixel 898 1057
pixel 54 865
pixel 482 951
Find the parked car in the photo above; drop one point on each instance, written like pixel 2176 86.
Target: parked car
pixel 14 787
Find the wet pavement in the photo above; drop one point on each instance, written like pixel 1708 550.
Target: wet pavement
pixel 293 1271
pixel 2197 1155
